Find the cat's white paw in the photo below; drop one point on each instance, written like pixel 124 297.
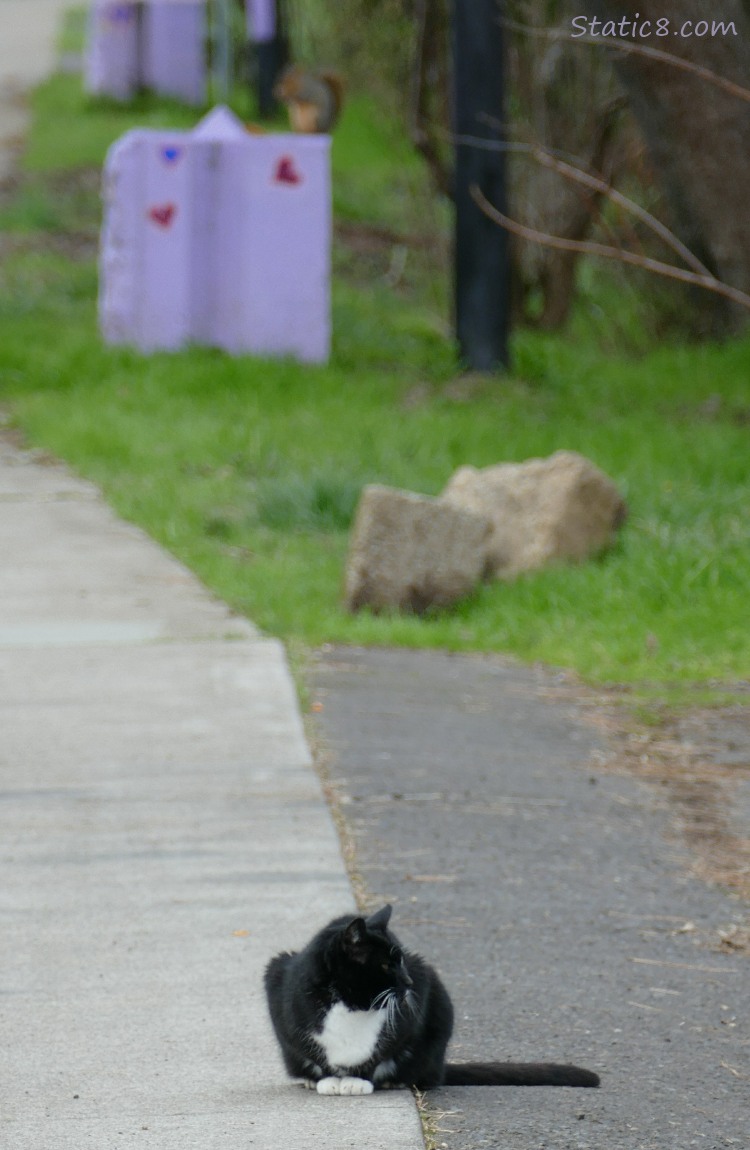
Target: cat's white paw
pixel 356 1086
pixel 346 1085
pixel 328 1086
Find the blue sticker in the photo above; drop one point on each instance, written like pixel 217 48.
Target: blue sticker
pixel 120 13
pixel 171 154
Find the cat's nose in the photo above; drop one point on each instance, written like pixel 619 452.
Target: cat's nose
pixel 407 980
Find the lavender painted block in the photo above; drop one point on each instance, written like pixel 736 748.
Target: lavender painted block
pixel 283 192
pixel 156 44
pixel 218 237
pixel 215 278
pixel 145 265
pixel 174 49
pixel 261 20
pixel 111 65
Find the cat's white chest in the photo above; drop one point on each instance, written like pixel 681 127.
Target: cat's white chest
pixel 349 1037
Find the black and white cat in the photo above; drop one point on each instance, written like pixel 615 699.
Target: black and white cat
pixel 355 1012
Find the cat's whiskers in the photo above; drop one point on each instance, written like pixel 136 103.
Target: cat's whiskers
pixel 394 1004
pixel 380 1000
pixel 385 1001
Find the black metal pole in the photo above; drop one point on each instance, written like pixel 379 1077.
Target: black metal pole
pixel 481 254
pixel 271 56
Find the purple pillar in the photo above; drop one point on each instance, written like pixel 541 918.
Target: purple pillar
pixel 156 44
pixel 277 192
pixel 218 237
pixel 112 50
pixel 145 258
pixel 174 49
pixel 261 20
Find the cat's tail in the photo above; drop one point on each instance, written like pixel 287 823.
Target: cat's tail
pixel 517 1074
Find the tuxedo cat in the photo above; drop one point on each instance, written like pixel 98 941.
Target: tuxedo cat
pixel 355 1012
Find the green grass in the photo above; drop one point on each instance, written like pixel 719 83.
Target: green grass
pixel 74 130
pixel 71 36
pixel 250 470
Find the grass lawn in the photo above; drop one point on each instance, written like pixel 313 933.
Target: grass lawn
pixel 250 470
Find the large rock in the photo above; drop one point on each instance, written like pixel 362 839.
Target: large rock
pixel 410 553
pixel 542 511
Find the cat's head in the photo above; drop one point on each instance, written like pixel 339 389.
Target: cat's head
pixel 367 963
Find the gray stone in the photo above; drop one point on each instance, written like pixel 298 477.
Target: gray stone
pixel 542 511
pixel 410 553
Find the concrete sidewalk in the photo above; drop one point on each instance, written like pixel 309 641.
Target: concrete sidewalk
pixel 162 833
pixel 27 52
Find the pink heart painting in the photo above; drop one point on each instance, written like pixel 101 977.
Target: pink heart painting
pixel 162 214
pixel 286 172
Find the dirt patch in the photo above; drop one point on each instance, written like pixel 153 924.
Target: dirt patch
pixel 366 252
pixel 704 795
pixel 57 214
pixel 366 238
pixel 700 762
pixel 78 247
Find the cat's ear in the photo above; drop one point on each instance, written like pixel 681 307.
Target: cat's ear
pixel 354 937
pixel 380 919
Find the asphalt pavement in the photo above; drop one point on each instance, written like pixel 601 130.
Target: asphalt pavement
pixel 554 894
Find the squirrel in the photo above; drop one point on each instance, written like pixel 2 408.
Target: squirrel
pixel 313 99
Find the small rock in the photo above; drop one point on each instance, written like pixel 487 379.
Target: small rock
pixel 411 553
pixel 542 511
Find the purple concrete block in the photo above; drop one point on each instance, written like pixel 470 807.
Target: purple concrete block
pixel 174 49
pixel 146 253
pixel 279 193
pixel 215 282
pixel 261 20
pixel 111 66
pixel 218 237
pixel 168 225
pixel 218 126
pixel 118 257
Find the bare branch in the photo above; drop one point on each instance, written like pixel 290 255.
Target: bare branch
pixel 604 188
pixel 637 49
pixel 551 159
pixel 589 247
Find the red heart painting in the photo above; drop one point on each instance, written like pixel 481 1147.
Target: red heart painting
pixel 162 214
pixel 286 172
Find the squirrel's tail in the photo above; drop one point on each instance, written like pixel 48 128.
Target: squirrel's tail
pixel 334 81
pixel 517 1074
